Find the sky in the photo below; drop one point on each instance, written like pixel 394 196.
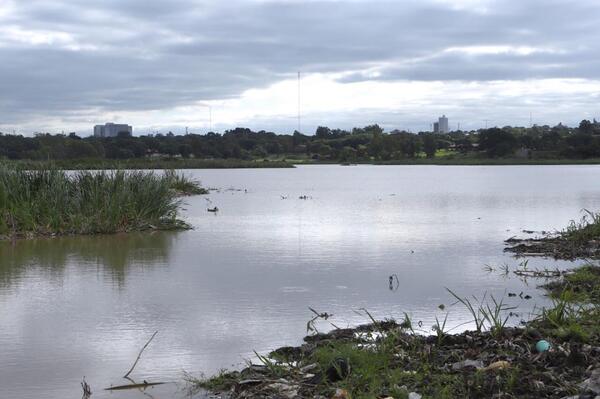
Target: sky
pixel 66 65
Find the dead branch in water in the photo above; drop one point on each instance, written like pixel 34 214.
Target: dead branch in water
pixel 539 273
pixel 134 386
pixel 87 390
pixel 140 354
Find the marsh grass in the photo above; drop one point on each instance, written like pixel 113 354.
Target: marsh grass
pixel 584 230
pixel 575 310
pixel 151 163
pixel 184 185
pixel 55 202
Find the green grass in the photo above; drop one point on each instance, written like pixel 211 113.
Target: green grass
pixel 584 230
pixel 156 163
pixel 443 157
pixel 392 360
pixel 55 202
pixel 183 185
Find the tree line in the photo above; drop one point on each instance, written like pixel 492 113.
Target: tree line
pixel 365 143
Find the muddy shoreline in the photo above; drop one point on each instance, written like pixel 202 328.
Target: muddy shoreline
pixel 553 246
pixel 556 354
pixel 387 359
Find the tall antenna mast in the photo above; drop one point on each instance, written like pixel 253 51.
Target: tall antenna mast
pixel 530 119
pixel 299 102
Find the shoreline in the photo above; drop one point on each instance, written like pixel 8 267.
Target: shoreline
pixel 283 163
pixel 555 354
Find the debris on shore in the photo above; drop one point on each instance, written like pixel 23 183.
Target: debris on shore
pixel 556 247
pixel 345 362
pixel 555 355
pixel 578 240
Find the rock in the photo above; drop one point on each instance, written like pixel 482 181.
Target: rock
pixel 340 394
pixel 249 382
pixel 338 370
pixel 532 333
pixel 309 367
pixel 288 352
pixel 592 384
pixel 285 390
pixel 477 364
pixel 414 395
pixel 499 365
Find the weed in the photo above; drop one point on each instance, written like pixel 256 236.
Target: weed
pixel 55 202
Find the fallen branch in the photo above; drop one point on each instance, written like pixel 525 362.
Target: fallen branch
pixel 87 390
pixel 140 355
pixel 133 386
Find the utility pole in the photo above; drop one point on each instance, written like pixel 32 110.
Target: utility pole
pixel 486 122
pixel 530 119
pixel 299 125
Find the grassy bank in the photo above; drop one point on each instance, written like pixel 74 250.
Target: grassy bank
pixel 392 359
pixel 287 162
pixel 155 163
pixel 54 202
pixel 475 161
pixel 580 239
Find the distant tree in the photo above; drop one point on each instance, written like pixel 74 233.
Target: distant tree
pixel 322 132
pixel 373 129
pixel 429 145
pixel 497 142
pixel 80 149
pixel 586 127
pixel 185 150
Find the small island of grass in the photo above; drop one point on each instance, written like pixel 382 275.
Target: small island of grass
pixel 51 202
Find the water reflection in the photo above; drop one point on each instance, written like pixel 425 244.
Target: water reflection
pixel 246 279
pixel 113 254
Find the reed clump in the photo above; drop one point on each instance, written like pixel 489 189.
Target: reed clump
pixel 55 202
pixel 586 229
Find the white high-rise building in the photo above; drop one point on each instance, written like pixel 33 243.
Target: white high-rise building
pixel 112 130
pixel 443 124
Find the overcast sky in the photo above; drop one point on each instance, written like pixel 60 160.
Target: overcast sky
pixel 159 65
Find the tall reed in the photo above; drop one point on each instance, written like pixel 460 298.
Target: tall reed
pixel 52 201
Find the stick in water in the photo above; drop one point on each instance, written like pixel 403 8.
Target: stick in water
pixel 140 355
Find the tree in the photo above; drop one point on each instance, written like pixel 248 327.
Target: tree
pixel 323 132
pixel 497 142
pixel 586 127
pixel 429 145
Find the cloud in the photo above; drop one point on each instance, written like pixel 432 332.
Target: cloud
pixel 77 61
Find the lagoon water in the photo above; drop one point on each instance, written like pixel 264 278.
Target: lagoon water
pixel 244 278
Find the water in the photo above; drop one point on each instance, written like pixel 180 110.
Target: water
pixel 243 279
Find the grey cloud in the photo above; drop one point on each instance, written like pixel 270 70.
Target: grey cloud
pixel 146 55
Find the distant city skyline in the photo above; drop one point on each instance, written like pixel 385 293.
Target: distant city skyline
pixel 210 63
